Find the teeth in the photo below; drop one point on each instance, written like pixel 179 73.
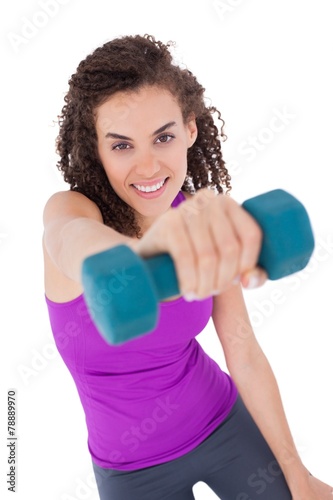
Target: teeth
pixel 149 189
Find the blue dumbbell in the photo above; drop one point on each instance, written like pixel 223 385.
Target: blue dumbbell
pixel 122 290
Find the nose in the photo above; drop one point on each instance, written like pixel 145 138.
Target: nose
pixel 147 165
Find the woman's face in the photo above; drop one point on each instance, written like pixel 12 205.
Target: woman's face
pixel 142 144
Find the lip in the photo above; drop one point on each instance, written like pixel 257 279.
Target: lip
pixel 152 194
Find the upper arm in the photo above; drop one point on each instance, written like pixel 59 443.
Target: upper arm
pixel 233 327
pixel 63 207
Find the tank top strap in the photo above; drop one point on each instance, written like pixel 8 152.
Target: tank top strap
pixel 178 200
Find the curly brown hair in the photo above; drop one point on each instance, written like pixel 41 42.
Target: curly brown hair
pixel 128 64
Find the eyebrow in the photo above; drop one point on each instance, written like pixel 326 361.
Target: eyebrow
pixel 112 135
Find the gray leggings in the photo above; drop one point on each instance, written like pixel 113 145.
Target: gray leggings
pixel 234 461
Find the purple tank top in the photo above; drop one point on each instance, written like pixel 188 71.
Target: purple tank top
pixel 152 399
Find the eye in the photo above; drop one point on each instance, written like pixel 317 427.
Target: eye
pixel 165 138
pixel 120 146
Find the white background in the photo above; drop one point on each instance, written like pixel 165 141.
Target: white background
pixel 254 58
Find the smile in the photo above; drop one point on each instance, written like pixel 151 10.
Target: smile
pixel 150 189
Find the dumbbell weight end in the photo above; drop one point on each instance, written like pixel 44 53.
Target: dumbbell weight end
pixel 119 276
pixel 288 241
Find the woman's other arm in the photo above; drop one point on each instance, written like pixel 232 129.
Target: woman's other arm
pixel 257 386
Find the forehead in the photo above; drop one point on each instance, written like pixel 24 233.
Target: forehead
pixel 130 107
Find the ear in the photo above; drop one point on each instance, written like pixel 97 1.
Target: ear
pixel 192 130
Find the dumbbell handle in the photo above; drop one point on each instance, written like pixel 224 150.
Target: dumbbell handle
pixel 293 237
pixel 162 271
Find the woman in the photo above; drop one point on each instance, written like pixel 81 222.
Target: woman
pixel 140 150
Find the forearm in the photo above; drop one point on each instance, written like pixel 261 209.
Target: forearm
pixel 79 238
pixel 258 388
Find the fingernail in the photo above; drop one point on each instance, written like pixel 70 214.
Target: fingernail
pixel 190 296
pixel 253 282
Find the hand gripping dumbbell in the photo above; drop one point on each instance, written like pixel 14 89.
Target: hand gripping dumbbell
pixel 122 290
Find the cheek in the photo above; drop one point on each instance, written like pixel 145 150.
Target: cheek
pixel 178 153
pixel 110 170
pixel 115 169
pixel 181 157
pixel 114 174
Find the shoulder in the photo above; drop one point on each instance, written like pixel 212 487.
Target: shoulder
pixel 187 195
pixel 61 208
pixel 72 204
pixel 202 190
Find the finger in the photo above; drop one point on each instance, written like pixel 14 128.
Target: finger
pixel 180 247
pixel 249 235
pixel 228 248
pixel 170 236
pixel 205 252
